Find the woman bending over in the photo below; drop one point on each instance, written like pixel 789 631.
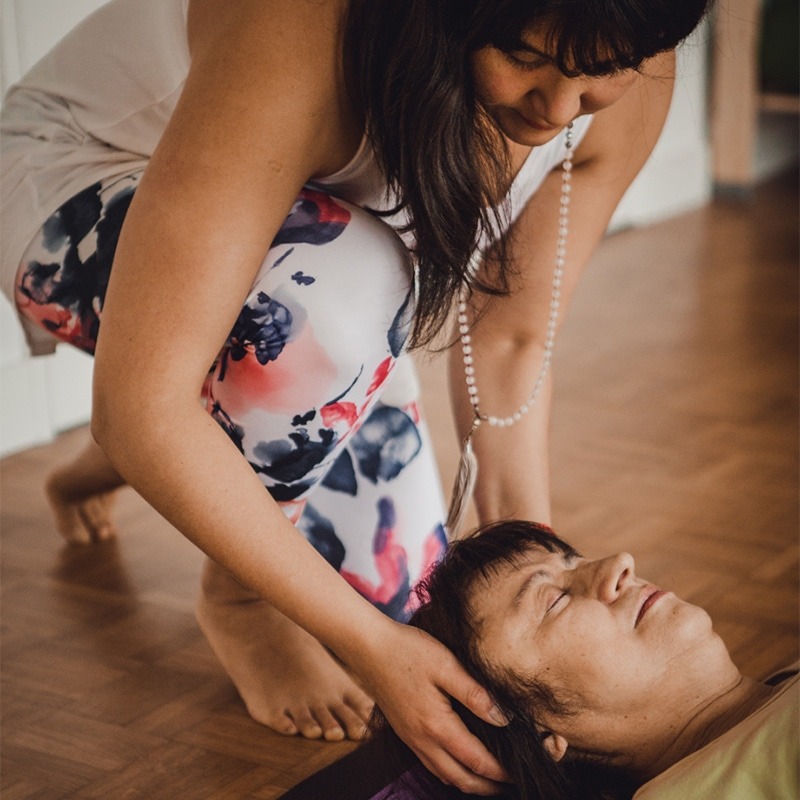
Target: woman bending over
pixel 235 202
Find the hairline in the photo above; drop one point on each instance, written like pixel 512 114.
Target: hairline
pixel 567 701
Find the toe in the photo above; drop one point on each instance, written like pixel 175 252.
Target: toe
pixel 104 533
pixel 76 535
pixel 331 727
pixel 75 532
pixel 354 726
pixel 283 725
pixel 335 734
pixel 362 705
pixel 95 516
pixel 307 725
pixel 69 525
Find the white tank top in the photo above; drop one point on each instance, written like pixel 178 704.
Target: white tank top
pixel 95 107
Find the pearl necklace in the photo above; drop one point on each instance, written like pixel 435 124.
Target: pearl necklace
pixel 468 467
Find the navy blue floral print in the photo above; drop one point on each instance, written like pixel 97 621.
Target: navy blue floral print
pixel 314 219
pixel 66 296
pixel 385 444
pixel 351 472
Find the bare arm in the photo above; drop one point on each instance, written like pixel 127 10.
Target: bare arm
pixel 508 342
pixel 261 112
pixel 223 178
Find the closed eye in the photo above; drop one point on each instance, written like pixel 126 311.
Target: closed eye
pixel 564 594
pixel 525 60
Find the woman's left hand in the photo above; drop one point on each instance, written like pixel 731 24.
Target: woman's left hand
pixel 412 676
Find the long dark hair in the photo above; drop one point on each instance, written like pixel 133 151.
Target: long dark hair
pixel 409 72
pixel 446 614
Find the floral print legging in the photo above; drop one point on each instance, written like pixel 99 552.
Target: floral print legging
pixel 311 384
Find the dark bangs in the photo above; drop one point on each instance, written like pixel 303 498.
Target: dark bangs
pixel 593 37
pixel 408 66
pixel 483 553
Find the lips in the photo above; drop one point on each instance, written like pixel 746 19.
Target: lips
pixel 537 126
pixel 650 595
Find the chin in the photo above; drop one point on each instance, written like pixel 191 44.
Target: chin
pixel 532 137
pixel 514 128
pixel 693 624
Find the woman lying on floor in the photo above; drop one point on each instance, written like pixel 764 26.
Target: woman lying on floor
pixel 611 685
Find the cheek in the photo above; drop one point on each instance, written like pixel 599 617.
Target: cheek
pixel 494 82
pixel 581 656
pixel 684 626
pixel 605 94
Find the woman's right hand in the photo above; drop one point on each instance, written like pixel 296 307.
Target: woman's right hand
pixel 412 676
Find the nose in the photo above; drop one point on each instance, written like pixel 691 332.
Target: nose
pixel 561 99
pixel 613 575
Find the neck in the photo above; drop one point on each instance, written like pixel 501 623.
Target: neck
pixel 714 716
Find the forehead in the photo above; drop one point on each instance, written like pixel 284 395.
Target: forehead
pixel 493 594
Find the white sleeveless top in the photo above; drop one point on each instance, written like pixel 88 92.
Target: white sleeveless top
pixel 94 108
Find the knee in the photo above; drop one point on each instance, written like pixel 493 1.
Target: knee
pixel 326 315
pixel 371 288
pixel 339 273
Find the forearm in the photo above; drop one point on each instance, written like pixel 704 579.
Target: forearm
pixel 509 333
pixel 185 466
pixel 513 463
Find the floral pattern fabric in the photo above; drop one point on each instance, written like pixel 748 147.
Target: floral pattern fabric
pixel 297 385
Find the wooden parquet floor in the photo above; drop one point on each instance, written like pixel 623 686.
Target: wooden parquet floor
pixel 675 436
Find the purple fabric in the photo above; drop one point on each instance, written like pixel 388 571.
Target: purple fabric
pixel 406 787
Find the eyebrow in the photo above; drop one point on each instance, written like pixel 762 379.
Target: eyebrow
pixel 535 576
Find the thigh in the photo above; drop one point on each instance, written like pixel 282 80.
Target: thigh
pixel 296 384
pixel 63 276
pixel 317 338
pixel 378 514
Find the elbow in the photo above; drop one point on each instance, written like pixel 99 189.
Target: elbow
pixel 124 416
pixel 115 408
pixel 121 430
pixel 104 427
pixel 99 427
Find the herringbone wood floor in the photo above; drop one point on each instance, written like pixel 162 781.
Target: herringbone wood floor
pixel 675 436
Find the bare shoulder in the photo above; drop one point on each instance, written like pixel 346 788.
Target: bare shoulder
pixel 289 28
pixel 623 135
pixel 260 113
pixel 268 61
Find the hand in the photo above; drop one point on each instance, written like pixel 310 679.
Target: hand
pixel 411 678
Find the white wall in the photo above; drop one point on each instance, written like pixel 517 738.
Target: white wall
pixel 38 397
pixel 677 177
pixel 43 396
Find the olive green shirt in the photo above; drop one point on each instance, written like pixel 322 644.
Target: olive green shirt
pixel 758 759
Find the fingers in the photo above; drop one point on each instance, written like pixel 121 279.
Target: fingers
pixel 453 773
pixel 473 696
pixel 460 759
pixel 415 699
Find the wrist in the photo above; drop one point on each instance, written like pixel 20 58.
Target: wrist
pixel 362 638
pixel 513 469
pixel 532 503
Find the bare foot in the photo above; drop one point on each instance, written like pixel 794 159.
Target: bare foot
pixel 81 495
pixel 286 678
pixel 81 521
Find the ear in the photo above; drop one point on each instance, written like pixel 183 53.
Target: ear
pixel 555 745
